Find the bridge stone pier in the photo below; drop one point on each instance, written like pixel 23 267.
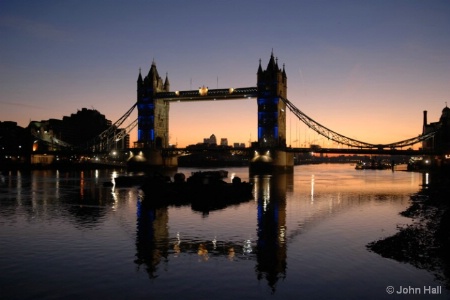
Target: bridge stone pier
pixel 150 159
pixel 271 160
pixel 153 102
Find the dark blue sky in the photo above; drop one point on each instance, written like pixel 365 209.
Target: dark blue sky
pixel 366 69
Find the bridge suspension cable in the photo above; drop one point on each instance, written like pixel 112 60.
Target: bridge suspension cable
pixel 113 134
pixel 122 133
pixel 341 139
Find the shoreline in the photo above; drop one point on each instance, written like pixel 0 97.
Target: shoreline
pixel 425 243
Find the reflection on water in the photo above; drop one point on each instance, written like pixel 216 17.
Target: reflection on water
pixel 152 238
pixel 299 231
pixel 154 246
pixel 270 194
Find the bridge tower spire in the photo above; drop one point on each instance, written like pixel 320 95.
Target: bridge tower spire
pixel 272 86
pixel 153 114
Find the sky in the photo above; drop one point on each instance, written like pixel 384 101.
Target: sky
pixel 365 69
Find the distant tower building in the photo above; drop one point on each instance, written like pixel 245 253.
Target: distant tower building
pixel 223 142
pixel 153 114
pixel 213 140
pixel 272 86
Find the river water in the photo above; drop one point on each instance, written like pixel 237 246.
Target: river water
pixel 64 235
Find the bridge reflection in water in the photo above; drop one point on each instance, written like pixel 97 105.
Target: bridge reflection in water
pixel 270 192
pixel 155 246
pixel 273 227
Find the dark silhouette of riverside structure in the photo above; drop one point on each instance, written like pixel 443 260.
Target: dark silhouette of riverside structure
pixel 440 142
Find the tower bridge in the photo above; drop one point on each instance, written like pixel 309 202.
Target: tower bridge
pixel 154 98
pixel 270 151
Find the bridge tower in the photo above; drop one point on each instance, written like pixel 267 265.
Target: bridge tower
pixel 272 84
pixel 153 114
pixel 270 154
pixel 153 125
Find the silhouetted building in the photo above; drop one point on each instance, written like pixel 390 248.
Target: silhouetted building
pixel 83 126
pixel 79 130
pixel 11 136
pixel 441 140
pixel 212 140
pixel 14 142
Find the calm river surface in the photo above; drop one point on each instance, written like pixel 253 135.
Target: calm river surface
pixel 63 235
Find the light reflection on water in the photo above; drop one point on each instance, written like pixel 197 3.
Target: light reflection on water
pixel 64 235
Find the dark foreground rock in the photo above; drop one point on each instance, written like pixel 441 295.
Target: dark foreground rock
pixel 425 243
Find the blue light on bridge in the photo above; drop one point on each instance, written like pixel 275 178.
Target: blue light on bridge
pixel 146 106
pixel 260 132
pixel 152 134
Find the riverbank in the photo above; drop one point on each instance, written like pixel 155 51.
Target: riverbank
pixel 425 243
pixel 61 166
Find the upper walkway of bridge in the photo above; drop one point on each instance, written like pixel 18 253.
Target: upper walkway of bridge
pixel 206 94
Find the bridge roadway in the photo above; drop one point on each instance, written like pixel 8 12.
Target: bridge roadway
pixel 249 151
pixel 361 151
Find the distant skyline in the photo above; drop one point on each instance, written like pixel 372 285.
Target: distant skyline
pixel 365 69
